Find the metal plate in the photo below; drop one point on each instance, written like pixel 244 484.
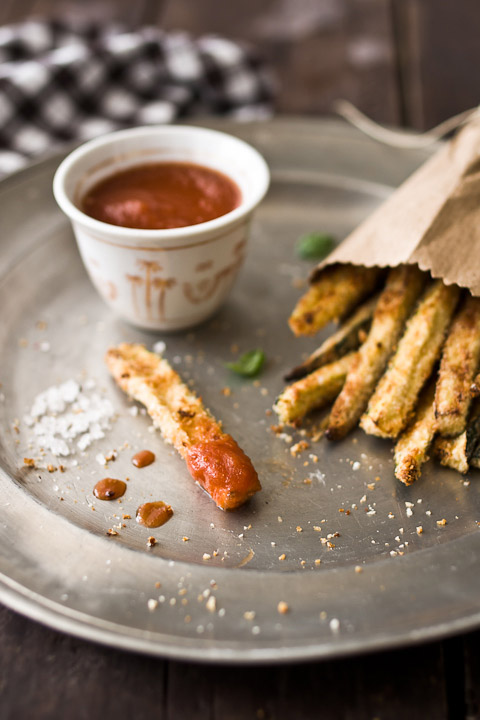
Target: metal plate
pixel 56 563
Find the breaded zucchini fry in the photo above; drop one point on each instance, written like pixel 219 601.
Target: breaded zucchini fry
pixel 461 451
pixel 213 458
pixel 414 443
pixel 404 285
pixel 392 403
pixel 460 359
pixel 347 338
pixel 313 391
pixel 336 290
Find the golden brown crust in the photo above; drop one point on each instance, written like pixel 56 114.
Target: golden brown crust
pixel 460 359
pixel 402 289
pixel 414 443
pixel 346 339
pixel 314 391
pixel 174 408
pixel 333 294
pixel 391 406
pixel 451 452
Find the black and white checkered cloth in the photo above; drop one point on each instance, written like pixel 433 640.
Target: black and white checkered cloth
pixel 60 82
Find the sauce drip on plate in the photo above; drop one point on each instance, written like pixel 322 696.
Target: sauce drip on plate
pixel 154 514
pixel 143 458
pixel 109 489
pixel 161 196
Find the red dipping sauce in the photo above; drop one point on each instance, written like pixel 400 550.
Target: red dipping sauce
pixel 161 196
pixel 222 468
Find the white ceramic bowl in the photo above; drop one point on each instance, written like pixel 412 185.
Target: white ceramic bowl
pixel 162 279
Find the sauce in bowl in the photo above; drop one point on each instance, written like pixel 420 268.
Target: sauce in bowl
pixel 161 196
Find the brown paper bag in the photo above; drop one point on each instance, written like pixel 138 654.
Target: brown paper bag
pixel 432 219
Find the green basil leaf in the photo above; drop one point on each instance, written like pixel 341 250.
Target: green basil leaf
pixel 249 364
pixel 315 246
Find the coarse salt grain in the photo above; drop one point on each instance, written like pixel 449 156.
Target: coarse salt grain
pixel 159 347
pixel 335 625
pixel 66 412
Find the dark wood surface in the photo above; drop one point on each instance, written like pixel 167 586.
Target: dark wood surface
pixel 405 62
pixel 46 675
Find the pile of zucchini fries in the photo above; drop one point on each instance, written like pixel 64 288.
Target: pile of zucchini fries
pixel 403 363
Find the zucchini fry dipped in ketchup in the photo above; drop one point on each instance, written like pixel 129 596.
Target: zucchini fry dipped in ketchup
pixel 213 457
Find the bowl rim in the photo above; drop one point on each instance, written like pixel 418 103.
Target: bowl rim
pixel 137 235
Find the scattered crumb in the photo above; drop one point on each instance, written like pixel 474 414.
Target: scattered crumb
pixel 211 604
pixel 151 541
pixel 283 607
pixel 441 522
pixel 110 531
pixel 317 561
pixel 419 529
pixel 299 447
pixel 249 615
pixel 358 569
pixel 206 556
pixel 226 391
pixel 282 556
pixel 152 604
pixel 334 625
pixel 29 462
pixel 185 538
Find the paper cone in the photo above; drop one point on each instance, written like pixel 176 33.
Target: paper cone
pixel 432 219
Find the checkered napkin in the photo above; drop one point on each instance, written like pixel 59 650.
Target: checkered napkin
pixel 60 82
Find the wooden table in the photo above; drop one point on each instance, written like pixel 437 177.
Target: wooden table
pixel 45 675
pixel 403 62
